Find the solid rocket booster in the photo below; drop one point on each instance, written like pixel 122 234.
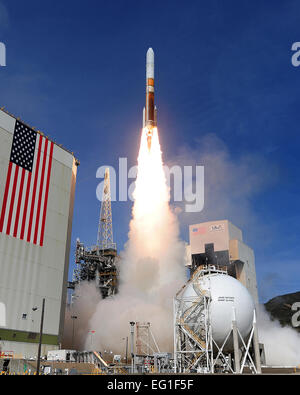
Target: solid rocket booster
pixel 149 113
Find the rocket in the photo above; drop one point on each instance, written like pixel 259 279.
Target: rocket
pixel 150 111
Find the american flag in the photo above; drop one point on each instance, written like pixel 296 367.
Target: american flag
pixel 24 206
pixel 198 231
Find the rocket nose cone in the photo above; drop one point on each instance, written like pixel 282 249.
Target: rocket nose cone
pixel 150 56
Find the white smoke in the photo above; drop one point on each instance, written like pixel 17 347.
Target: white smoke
pixel 282 344
pixel 82 308
pixel 230 184
pixel 151 266
pixel 149 283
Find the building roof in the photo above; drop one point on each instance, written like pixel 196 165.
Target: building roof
pixel 41 133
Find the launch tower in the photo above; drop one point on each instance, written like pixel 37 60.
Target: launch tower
pixel 98 263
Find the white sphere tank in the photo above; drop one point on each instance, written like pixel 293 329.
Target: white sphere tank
pixel 227 294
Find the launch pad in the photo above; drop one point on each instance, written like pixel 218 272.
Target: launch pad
pixel 93 264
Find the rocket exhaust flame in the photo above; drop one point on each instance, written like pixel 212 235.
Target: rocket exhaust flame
pixel 149 134
pixel 151 266
pixel 151 193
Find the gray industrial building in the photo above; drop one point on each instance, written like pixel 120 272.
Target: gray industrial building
pixel 37 186
pixel 221 243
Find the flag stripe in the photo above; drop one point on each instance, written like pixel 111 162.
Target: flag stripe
pixel 12 199
pixel 9 196
pixel 16 199
pixel 46 195
pixel 5 196
pixel 22 198
pixel 40 192
pixel 34 190
pixel 35 204
pixel 44 192
pixel 19 201
pixel 34 167
pixel 25 206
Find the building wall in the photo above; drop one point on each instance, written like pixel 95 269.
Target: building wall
pixel 205 232
pixel 234 232
pixel 230 250
pixel 246 272
pixel 28 272
pixel 26 350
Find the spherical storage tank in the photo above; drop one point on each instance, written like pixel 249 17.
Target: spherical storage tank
pixel 227 294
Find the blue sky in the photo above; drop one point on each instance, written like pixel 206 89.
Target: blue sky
pixel 227 94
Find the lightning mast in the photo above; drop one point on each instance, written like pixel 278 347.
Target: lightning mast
pixel 105 229
pixel 98 263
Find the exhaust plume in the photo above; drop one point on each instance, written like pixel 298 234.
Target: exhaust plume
pixel 151 266
pixel 282 344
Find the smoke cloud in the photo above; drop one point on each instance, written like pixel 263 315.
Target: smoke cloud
pixel 151 268
pixel 76 330
pixel 230 183
pixel 282 344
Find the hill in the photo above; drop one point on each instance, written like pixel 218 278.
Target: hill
pixel 280 308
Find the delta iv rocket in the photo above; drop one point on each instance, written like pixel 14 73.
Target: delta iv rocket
pixel 150 111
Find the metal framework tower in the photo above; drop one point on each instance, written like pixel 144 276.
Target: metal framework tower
pixel 105 229
pixel 99 263
pixel 145 340
pixel 192 331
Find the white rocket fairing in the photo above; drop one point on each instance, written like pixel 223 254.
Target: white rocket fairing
pixel 150 111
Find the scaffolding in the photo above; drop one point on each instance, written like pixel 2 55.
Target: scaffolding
pixel 93 264
pixel 145 340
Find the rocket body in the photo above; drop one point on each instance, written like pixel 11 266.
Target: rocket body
pixel 149 116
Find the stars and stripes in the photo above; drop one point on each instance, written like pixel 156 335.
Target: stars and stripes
pixel 24 206
pixel 198 231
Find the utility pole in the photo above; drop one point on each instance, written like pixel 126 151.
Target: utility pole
pixel 132 323
pixel 40 341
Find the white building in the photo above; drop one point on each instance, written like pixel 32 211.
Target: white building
pixel 37 186
pixel 61 355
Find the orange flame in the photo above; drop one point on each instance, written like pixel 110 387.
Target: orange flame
pixel 151 194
